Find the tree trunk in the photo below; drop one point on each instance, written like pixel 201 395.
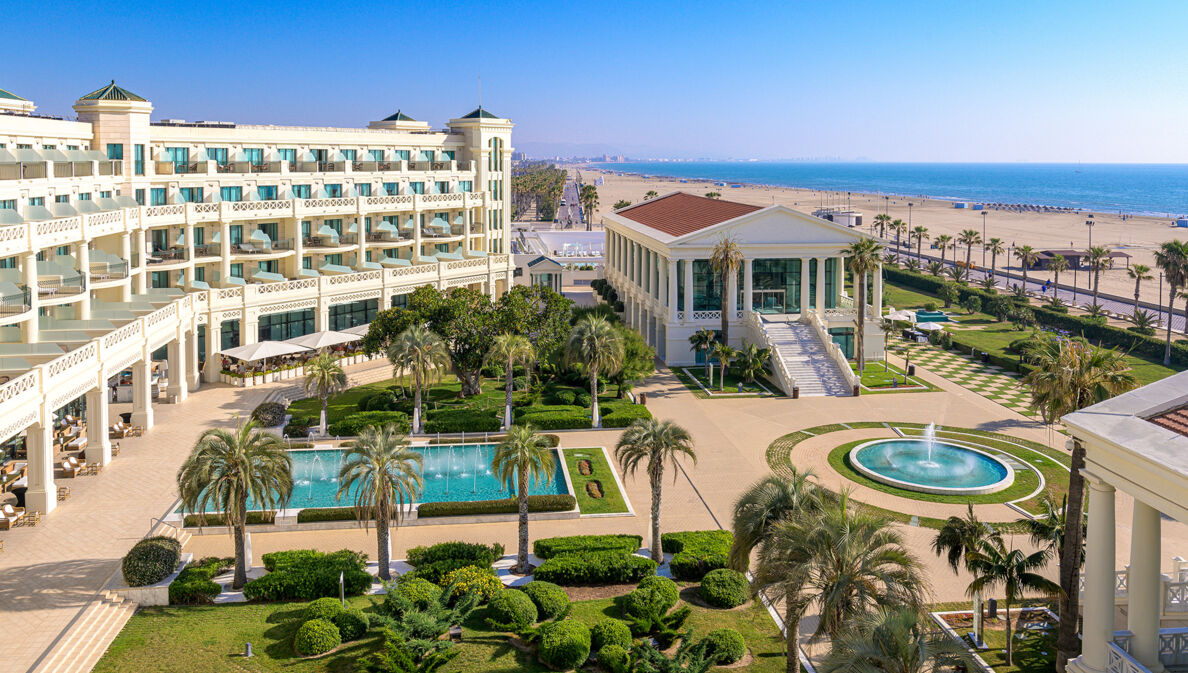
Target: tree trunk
pixel 507 412
pixel 1055 286
pixel 725 306
pixel 1009 648
pixel 416 424
pixel 791 638
pixel 383 522
pixel 1068 644
pixel 240 557
pixel 595 421
pixel 1136 295
pixel 1096 283
pixel 722 378
pixel 1171 306
pixel 707 367
pixel 657 550
pixel 859 355
pixel 522 552
pixel 322 420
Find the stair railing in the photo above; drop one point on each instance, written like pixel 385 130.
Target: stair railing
pixel 757 330
pixel 834 350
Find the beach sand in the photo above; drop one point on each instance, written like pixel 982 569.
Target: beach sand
pixel 1137 235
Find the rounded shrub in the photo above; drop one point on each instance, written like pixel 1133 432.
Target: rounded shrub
pixel 352 624
pixel 316 636
pixel 150 561
pixel 582 399
pixel 666 588
pixel 724 588
pixel 323 608
pixel 473 579
pixel 511 610
pixel 421 592
pixel 269 414
pixel 725 646
pixel 614 659
pixel 608 632
pixel 563 397
pixel 564 645
pixel 550 599
pixel 519 383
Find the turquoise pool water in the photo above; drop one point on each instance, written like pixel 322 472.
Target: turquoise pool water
pixel 452 473
pixel 910 463
pixel 931 316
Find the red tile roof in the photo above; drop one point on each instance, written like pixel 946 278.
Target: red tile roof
pixel 680 213
pixel 1175 420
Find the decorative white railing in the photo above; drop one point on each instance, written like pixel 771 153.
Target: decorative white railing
pixel 1173 646
pixel 758 334
pixel 1175 596
pixel 1121 582
pixel 1119 660
pixel 833 349
pixel 707 315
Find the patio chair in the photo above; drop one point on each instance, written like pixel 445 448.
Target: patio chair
pixel 63 493
pixel 10 516
pixel 70 469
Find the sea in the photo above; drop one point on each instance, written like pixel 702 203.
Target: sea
pixel 1159 190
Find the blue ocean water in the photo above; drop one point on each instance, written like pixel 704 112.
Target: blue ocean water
pixel 1149 189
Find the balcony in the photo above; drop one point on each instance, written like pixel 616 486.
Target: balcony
pixel 22 171
pixel 375 166
pixel 103 272
pixel 168 256
pixel 112 167
pixel 73 169
pixel 14 299
pixel 262 248
pixel 57 286
pixel 207 250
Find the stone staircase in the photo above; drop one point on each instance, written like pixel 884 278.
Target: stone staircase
pixel 85 641
pixel 806 360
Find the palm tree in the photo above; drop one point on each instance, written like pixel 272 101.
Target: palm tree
pixel 1138 273
pixel 920 233
pixel 1099 258
pixel 863 258
pixel 751 361
pixel 723 354
pixel 508 349
pixel 621 204
pixel 651 194
pixel 772 499
pixel 969 238
pixel 655 443
pixel 324 376
pixel 1057 264
pixel 725 260
pixel 995 248
pixel 899 227
pixel 994 565
pixel 588 196
pixel 943 242
pixel 703 340
pixel 894 641
pixel 935 268
pixel 420 351
pixel 882 220
pixel 523 456
pixel 1047 528
pixel 1071 375
pixel 1172 260
pixel 594 344
pixel 386 476
pixel 225 469
pixel 1027 257
pixel 713 195
pixel 958 538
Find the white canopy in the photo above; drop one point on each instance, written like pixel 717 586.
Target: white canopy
pixel 322 339
pixel 263 349
pixel 909 316
pixel 929 326
pixel 358 330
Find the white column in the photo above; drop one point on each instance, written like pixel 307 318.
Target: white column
pixel 142 280
pixel 839 276
pixel 878 291
pixel 821 287
pixel 126 255
pixel 42 495
pixel 747 288
pixel 224 251
pixel 31 327
pixel 142 394
pixel 193 374
pixel 1098 629
pixel 83 310
pixel 190 255
pixel 672 290
pixel 732 297
pixel 688 290
pixel 214 342
pixel 98 441
pixel 1143 594
pixel 417 250
pixel 178 388
pixel 804 286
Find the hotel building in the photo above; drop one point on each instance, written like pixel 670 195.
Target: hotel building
pixel 125 240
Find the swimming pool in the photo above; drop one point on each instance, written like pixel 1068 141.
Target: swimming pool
pixel 931 316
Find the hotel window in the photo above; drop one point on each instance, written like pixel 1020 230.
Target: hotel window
pixel 268 266
pixel 138 159
pixel 391 188
pixel 465 185
pixel 301 191
pixel 333 191
pixel 306 229
pixel 447 155
pixel 24 146
pixel 140 196
pixel 62 198
pixel 10 204
pixel 105 194
pixel 235 234
pixel 231 193
pixel 401 155
pixel 200 275
pixel 830 281
pixel 160 279
pixel 229 334
pixel 62 250
pixel 266 192
pixel 400 301
pixel 115 151
pixel 217 155
pixel 363 190
pixel 441 187
pixel 157 196
pixel 191 194
pixel 416 187
pixel 349 155
pixel 335 259
pixel 425 155
pixel 335 224
pixel 307 262
pixel 270 230
pixel 37 201
pixel 8 263
pixel 377 155
pixel 158 240
pixel 281 326
pixel 707 295
pixel 254 155
pixel 345 316
pixel 199 236
pixel 289 155
pixel 69 147
pixel 49 147
pixel 237 270
pixel 180 156
pixel 495 158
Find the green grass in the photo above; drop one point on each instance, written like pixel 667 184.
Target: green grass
pixel 211 638
pixel 878 377
pixel 602 471
pixel 1035 653
pixel 731 385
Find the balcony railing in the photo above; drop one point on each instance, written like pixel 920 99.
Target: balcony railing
pixel 375 166
pixel 31 171
pixel 208 250
pixel 51 287
pixel 102 272
pixel 253 248
pixel 15 303
pixel 170 256
pixel 112 167
pixel 321 242
pixel 181 168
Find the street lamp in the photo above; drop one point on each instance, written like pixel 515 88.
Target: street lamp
pixel 1089 223
pixel 909 214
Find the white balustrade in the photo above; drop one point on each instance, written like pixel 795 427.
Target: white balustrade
pixel 833 349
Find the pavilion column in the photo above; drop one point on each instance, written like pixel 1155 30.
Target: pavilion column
pixel 1143 595
pixel 193 374
pixel 143 245
pixel 672 290
pixel 126 255
pixel 839 275
pixel 83 310
pixel 224 252
pixel 214 344
pixel 804 286
pixel 178 389
pixel 42 496
pixel 142 393
pixel 821 287
pixel 688 290
pixel 1098 610
pixel 31 327
pixel 190 256
pixel 748 289
pixel 98 441
pixel 878 291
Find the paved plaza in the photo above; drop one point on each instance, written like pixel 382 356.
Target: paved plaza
pixel 989 381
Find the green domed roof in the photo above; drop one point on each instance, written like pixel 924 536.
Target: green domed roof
pixel 398 116
pixel 480 113
pixel 113 92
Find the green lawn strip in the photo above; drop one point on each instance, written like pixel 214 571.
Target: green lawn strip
pixel 864 425
pixel 689 383
pixel 877 379
pixel 731 392
pixel 611 501
pixel 732 381
pixel 1035 653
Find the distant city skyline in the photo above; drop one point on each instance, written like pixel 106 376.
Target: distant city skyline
pixel 1060 81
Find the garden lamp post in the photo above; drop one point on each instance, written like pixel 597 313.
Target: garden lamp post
pixel 1089 223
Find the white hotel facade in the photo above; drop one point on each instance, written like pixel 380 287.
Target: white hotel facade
pixel 121 237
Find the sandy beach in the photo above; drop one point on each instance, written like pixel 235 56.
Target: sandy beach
pixel 1138 236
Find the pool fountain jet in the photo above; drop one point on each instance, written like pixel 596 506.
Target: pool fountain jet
pixel 930 441
pixel 313 470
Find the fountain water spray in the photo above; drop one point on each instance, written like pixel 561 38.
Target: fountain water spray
pixel 930 441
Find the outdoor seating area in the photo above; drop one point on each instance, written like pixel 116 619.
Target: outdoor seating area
pixel 274 360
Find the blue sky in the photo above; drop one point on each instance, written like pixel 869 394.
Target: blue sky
pixel 893 81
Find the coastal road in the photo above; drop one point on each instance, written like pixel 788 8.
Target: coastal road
pixel 569 215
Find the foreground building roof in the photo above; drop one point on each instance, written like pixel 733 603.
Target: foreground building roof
pixel 679 213
pixel 9 95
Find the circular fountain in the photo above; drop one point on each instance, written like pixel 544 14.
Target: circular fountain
pixel 930 466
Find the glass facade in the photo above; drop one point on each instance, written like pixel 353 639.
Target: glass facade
pixel 344 316
pixel 775 285
pixel 400 301
pixel 707 290
pixel 229 334
pixel 281 326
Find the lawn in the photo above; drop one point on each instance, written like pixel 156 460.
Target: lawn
pixel 602 473
pixel 881 377
pixel 732 382
pixel 1034 653
pixel 211 638
pixel 749 390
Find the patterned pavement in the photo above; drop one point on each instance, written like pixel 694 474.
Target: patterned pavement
pixel 989 381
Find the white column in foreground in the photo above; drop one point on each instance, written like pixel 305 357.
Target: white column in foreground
pixel 1098 629
pixel 1143 593
pixel 98 441
pixel 142 394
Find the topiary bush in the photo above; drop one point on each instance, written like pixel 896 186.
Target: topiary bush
pixel 650 595
pixel 724 588
pixel 473 580
pixel 549 547
pixel 725 646
pixel 595 568
pixel 462 420
pixel 316 636
pixel 305 574
pixel 352 624
pixel 150 561
pixel 610 632
pixel 666 588
pixel 323 608
pixel 696 552
pixel 550 599
pixel 564 645
pixel 614 659
pixel 421 592
pixel 481 554
pixel 193 586
pixel 511 610
pixel 582 399
pixel 269 414
pixel 565 397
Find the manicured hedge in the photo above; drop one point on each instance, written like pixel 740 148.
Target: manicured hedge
pixel 326 514
pixel 215 519
pixel 352 624
pixel 317 636
pixel 193 586
pixel 269 414
pixel 463 420
pixel 307 574
pixel 421 592
pixel 610 631
pixel 472 579
pixel 621 417
pixel 555 419
pixel 614 659
pixel 511 610
pixel 351 425
pixel 480 554
pixel 564 645
pixel 697 552
pixel 323 608
pixel 150 561
pixel 656 592
pixel 549 547
pixel 550 599
pixel 536 503
pixel 724 588
pixel 725 646
pixel 595 568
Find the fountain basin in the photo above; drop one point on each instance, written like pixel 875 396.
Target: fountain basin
pixel 953 469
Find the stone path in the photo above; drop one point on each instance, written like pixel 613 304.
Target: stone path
pixel 989 381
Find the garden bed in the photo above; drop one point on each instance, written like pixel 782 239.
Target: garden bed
pixel 884 377
pixel 601 472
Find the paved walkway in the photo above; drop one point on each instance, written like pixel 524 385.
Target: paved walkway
pixel 989 381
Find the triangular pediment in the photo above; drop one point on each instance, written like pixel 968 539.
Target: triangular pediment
pixel 774 225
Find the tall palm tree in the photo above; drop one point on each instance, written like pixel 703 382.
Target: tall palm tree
pixel 594 344
pixel 765 503
pixel 724 354
pixel 920 233
pixel 899 227
pixel 943 242
pixel 863 257
pixel 324 377
pixel 508 349
pixel 225 469
pixel 1138 273
pixel 1071 375
pixel 1047 528
pixel 1056 265
pixel 588 196
pixel 385 475
pixel 882 220
pixel 969 238
pixel 620 204
pixel 1016 572
pixel 523 456
pixel 1099 259
pixel 420 351
pixel 726 260
pixel 703 340
pixel 958 538
pixel 1027 257
pixel 713 195
pixel 995 247
pixel 654 444
pixel 1172 260
pixel 896 640
pixel 651 194
pixel 751 361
